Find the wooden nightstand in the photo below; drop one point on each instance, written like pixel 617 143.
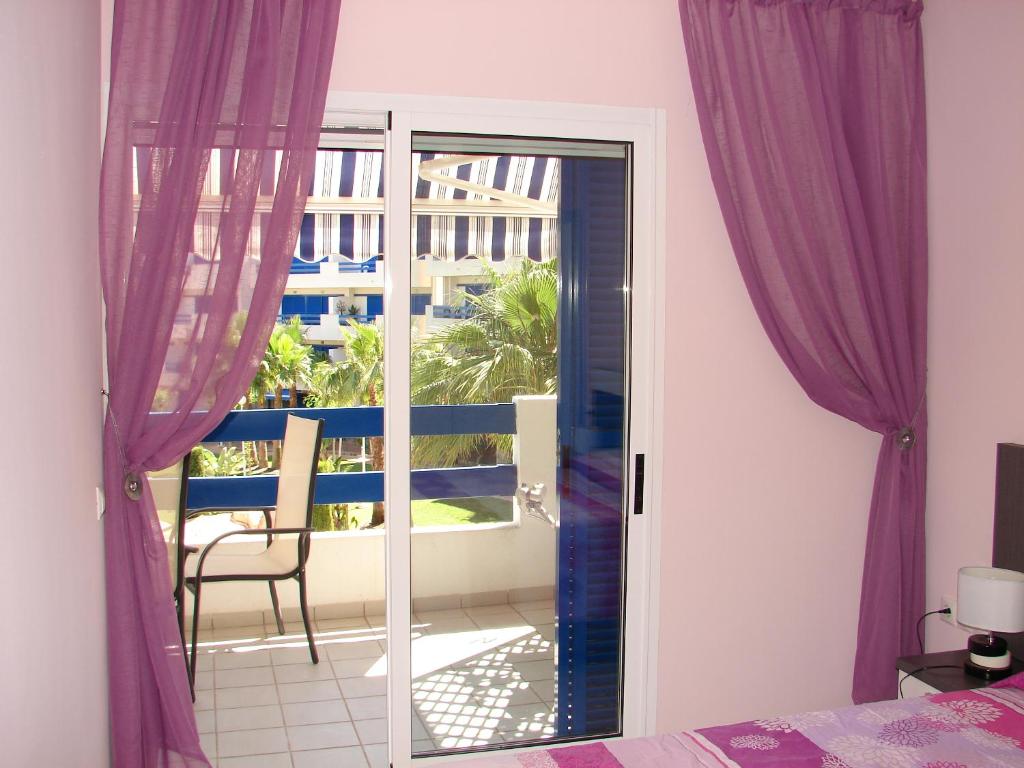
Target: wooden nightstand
pixel 949 676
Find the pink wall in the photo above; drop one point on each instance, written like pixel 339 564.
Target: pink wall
pixel 54 707
pixel 975 62
pixel 766 497
pixel 766 494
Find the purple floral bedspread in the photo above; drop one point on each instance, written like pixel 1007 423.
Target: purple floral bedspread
pixel 950 730
pixel 978 729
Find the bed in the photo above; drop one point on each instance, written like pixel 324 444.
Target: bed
pixel 983 728
pixel 967 729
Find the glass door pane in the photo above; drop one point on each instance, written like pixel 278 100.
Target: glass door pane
pixel 334 290
pixel 518 373
pixel 260 686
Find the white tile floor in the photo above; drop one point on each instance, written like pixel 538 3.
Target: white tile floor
pixel 481 676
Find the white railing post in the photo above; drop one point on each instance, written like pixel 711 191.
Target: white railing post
pixel 535 450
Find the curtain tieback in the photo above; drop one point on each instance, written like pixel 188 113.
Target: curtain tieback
pixel 132 486
pixel 905 437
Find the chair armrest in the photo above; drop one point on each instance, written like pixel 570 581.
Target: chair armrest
pixel 245 532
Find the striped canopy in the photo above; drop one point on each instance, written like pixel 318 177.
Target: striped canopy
pixel 454 217
pixel 491 207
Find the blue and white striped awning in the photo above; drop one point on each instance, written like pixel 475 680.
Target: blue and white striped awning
pixel 464 207
pixel 493 207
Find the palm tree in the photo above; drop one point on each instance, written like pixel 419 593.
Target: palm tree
pixel 253 398
pixel 256 397
pixel 294 359
pixel 262 382
pixel 508 347
pixel 286 363
pixel 358 379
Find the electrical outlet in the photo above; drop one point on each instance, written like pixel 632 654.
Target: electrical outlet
pixel 949 601
pixel 100 502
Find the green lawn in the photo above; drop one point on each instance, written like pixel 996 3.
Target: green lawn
pixel 437 512
pixel 482 509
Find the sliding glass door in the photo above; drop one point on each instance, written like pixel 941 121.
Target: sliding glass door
pixel 470 308
pixel 518 382
pixel 515 395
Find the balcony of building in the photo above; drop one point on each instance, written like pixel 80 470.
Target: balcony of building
pixel 483 623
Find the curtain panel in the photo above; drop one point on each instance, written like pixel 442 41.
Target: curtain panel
pixel 190 297
pixel 813 119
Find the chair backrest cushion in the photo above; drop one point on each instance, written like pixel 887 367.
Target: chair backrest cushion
pixel 300 454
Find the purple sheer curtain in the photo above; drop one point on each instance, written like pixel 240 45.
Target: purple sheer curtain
pixel 213 121
pixel 813 118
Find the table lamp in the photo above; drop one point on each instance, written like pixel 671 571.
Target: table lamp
pixel 992 600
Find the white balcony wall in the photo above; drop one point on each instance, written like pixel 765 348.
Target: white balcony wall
pixel 467 267
pixel 421 276
pixel 328 330
pixel 331 282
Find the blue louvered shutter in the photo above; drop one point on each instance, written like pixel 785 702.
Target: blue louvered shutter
pixel 591 422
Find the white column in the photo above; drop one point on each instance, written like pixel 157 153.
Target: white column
pixel 535 448
pixel 397 280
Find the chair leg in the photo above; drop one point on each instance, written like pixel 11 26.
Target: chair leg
pixel 195 628
pixel 305 617
pixel 179 606
pixel 277 607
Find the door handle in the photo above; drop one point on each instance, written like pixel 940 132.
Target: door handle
pixel 638 484
pixel 531 500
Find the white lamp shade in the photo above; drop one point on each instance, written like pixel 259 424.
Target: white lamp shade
pixel 991 599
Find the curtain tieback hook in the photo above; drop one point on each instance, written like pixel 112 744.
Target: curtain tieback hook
pixel 132 486
pixel 905 438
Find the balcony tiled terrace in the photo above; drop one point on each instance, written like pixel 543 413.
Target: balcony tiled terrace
pixel 482 675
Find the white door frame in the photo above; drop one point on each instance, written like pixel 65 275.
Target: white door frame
pixel 645 130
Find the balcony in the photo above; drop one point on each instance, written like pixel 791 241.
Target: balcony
pixel 481 675
pixel 327 329
pixel 334 276
pixel 471 266
pixel 482 601
pixel 445 312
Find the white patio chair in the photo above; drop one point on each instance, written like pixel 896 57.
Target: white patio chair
pixel 288 536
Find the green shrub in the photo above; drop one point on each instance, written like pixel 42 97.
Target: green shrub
pixel 331 517
pixel 205 463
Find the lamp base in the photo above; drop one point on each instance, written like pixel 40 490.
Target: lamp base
pixel 989 658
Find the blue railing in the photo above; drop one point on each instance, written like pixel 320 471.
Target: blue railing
pixel 313 267
pixel 307 318
pixel 314 319
pixel 359 318
pixel 340 487
pixel 453 313
pixel 370 265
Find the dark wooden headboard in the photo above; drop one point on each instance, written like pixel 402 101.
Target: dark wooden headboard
pixel 1008 532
